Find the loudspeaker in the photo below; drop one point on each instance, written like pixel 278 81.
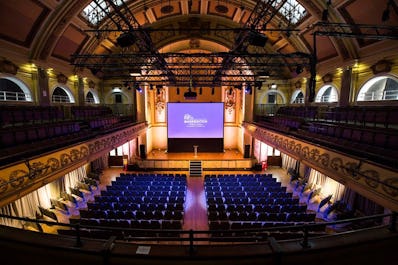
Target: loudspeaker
pixel 142 151
pixel 246 153
pixel 125 39
pixel 258 39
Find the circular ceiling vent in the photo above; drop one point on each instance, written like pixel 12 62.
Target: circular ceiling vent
pixel 167 9
pixel 221 9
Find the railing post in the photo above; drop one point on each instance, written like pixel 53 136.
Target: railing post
pixel 393 222
pixel 191 247
pixel 305 243
pixel 78 239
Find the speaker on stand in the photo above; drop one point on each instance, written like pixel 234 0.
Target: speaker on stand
pixel 246 153
pixel 142 151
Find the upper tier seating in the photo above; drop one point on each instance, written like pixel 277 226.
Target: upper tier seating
pixel 369 133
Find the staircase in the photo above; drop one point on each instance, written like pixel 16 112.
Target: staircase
pixel 195 168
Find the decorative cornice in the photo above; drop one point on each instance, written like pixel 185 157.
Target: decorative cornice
pixel 360 175
pixel 18 180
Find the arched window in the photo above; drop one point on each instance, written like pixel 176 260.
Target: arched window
pixel 12 89
pixel 62 95
pixel 297 97
pixel 379 88
pixel 327 93
pixel 90 97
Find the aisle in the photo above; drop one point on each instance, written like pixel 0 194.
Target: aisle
pixel 195 211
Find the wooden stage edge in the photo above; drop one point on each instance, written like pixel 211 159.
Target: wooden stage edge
pixel 229 159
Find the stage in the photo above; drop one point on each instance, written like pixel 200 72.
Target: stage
pixel 227 160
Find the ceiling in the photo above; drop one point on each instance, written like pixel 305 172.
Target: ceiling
pixel 196 42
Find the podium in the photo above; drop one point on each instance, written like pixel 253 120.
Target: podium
pixel 195 150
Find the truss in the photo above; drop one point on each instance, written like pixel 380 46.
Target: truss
pixel 196 68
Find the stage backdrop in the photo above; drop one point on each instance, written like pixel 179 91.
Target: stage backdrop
pixel 200 124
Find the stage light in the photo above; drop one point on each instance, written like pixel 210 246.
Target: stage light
pixel 126 39
pixel 263 75
pixel 257 39
pixel 137 87
pixel 258 85
pixel 200 91
pixel 386 13
pixel 212 90
pixel 299 69
pixel 248 89
pixel 178 90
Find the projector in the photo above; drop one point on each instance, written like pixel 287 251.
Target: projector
pixel 190 95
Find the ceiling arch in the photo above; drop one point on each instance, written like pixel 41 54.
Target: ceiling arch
pixel 48 29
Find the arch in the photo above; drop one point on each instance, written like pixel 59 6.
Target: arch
pixel 297 97
pixel 327 94
pixel 265 97
pixel 21 88
pixel 65 95
pixel 109 97
pixel 383 87
pixel 92 96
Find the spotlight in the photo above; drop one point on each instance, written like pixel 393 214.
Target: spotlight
pixel 325 14
pixel 200 91
pixel 299 69
pixel 386 13
pixel 137 87
pixel 257 39
pixel 248 89
pixel 258 85
pixel 178 90
pixel 126 39
pixel 212 90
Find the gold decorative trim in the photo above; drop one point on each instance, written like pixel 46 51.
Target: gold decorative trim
pixel 21 176
pixel 378 179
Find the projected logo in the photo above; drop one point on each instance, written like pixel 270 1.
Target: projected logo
pixel 192 122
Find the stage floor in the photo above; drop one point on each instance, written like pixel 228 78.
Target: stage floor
pixel 229 154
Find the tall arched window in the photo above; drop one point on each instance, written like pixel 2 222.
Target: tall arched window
pixel 327 93
pixel 379 88
pixel 62 95
pixel 12 89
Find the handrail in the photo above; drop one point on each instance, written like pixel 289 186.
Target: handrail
pixel 258 234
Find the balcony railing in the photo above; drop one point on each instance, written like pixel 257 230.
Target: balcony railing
pixel 379 95
pixel 14 96
pixel 60 99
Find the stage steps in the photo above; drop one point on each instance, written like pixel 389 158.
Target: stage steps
pixel 195 168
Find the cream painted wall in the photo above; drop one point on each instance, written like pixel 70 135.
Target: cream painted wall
pixel 231 134
pixel 159 137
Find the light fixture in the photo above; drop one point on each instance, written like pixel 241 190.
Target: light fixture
pixel 258 85
pixel 126 39
pixel 299 69
pixel 325 12
pixel 386 13
pixel 248 89
pixel 137 87
pixel 263 74
pixel 273 86
pixel 178 90
pixel 135 72
pixel 200 91
pixel 212 90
